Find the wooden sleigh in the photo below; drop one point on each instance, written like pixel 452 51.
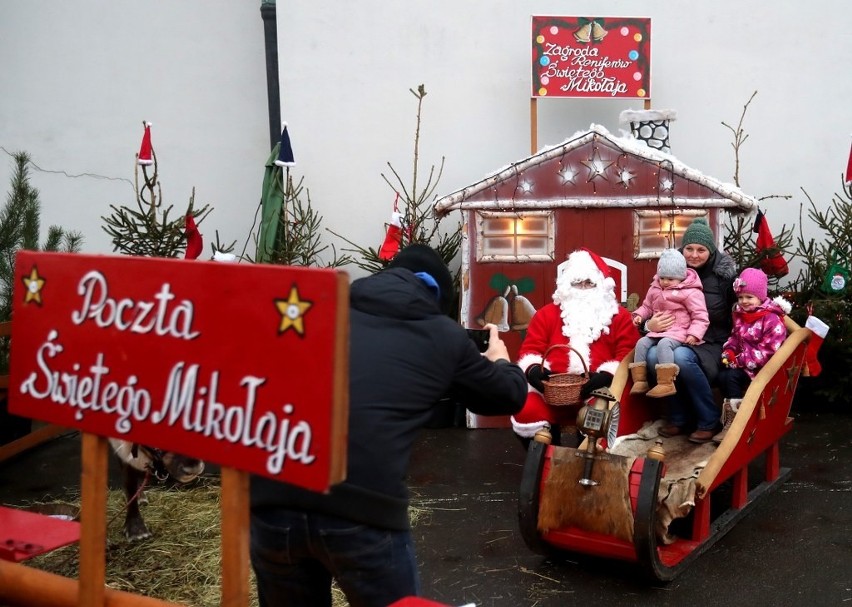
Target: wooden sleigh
pixel 620 509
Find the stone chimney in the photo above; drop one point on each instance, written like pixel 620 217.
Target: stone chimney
pixel 650 126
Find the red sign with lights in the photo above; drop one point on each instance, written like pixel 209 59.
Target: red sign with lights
pixel 591 57
pixel 242 365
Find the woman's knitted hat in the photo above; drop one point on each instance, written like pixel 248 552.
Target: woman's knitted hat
pixel 752 282
pixel 699 232
pixel 672 264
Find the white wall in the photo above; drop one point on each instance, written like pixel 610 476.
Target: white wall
pixel 345 76
pixel 86 73
pixel 79 77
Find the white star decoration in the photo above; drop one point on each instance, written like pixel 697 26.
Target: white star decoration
pixel 596 166
pixel 666 185
pixel 625 177
pixel 568 175
pixel 526 187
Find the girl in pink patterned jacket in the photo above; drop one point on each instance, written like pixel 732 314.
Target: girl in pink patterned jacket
pixel 757 334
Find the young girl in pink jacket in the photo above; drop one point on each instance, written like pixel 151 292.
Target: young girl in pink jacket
pixel 757 334
pixel 675 289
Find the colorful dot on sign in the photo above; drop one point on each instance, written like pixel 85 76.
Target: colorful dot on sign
pixel 637 76
pixel 640 92
pixel 539 39
pixel 545 80
pixel 633 55
pixel 554 30
pixel 542 91
pixel 544 60
pixel 637 37
pixel 624 31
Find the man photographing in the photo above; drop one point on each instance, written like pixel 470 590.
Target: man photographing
pixel 405 355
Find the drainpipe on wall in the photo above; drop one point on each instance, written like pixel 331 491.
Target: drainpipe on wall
pixel 273 95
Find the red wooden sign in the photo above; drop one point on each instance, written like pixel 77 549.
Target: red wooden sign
pixel 591 57
pixel 242 365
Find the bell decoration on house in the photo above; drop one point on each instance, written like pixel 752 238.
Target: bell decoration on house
pixel 598 32
pixel 521 310
pixel 496 312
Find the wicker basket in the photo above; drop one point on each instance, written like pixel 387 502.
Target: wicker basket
pixel 563 389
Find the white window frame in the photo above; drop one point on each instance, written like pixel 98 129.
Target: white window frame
pixel 641 219
pixel 481 216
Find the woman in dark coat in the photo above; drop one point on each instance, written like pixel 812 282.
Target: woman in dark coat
pixel 699 365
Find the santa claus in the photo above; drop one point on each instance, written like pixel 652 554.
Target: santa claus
pixel 585 315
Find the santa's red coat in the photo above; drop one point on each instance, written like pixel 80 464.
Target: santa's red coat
pixel 604 354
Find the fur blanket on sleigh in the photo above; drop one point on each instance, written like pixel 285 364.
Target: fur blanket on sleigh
pixel 684 461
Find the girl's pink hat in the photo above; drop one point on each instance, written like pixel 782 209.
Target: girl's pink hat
pixel 751 282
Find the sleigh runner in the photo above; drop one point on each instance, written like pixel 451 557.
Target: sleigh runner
pixel 621 502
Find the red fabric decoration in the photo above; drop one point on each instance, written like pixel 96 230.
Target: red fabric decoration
pixel 774 263
pixel 194 241
pixel 145 156
pixel 849 168
pixel 393 237
pixel 820 330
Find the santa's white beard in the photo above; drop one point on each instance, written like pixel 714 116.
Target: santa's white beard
pixel 586 313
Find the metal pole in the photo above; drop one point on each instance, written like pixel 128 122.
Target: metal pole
pixel 273 95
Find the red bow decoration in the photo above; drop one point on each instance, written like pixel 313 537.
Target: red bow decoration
pixel 194 241
pixel 773 263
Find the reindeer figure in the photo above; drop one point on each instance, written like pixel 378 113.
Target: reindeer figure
pixel 137 463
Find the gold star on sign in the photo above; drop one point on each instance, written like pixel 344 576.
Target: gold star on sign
pixel 292 310
pixel 34 284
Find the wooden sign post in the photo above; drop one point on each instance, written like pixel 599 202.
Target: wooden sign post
pixel 589 57
pixel 245 366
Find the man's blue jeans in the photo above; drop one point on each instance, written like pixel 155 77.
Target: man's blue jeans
pixel 692 386
pixel 295 555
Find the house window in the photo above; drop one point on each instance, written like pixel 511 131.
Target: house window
pixel 515 236
pixel 654 231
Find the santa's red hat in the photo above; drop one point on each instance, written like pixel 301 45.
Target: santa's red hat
pixel 145 156
pixel 584 264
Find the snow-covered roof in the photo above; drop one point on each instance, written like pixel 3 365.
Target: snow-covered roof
pixel 679 185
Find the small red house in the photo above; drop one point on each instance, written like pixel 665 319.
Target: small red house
pixel 614 195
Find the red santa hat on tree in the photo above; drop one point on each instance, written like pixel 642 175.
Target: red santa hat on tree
pixel 146 153
pixel 194 241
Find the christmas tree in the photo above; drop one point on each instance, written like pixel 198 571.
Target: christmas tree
pixel 290 229
pixel 414 221
pixel 148 230
pixel 20 220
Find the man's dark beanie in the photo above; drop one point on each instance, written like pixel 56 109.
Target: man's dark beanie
pixel 422 258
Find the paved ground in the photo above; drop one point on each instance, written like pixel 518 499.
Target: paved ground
pixel 794 548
